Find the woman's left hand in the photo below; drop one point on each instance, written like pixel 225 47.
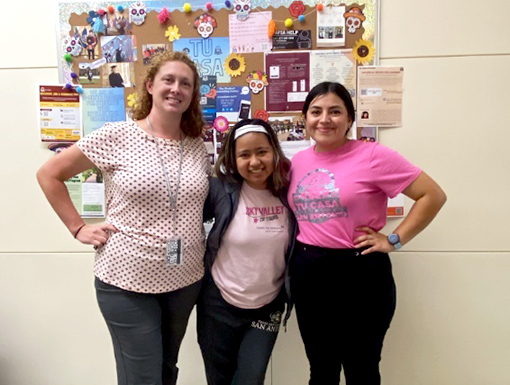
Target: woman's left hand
pixel 373 240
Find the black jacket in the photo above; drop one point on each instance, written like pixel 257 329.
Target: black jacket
pixel 221 205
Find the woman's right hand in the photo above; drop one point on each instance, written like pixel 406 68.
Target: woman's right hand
pixel 96 235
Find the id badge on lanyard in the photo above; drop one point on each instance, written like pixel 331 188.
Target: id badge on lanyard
pixel 174 248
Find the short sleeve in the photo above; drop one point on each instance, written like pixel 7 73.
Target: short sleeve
pixel 100 146
pixel 390 171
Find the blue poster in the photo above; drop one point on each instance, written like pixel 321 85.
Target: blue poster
pixel 208 54
pixel 208 98
pixel 229 101
pixel 102 105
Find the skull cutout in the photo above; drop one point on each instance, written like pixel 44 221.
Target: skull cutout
pixel 73 46
pixel 353 23
pixel 354 19
pixel 205 25
pixel 257 80
pixel 242 9
pixel 137 13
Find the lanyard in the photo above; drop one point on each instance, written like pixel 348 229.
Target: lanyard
pixel 172 199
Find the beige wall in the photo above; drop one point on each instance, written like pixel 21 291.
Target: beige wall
pixel 451 325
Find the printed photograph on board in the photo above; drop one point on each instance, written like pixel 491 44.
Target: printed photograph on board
pixel 88 41
pixel 89 75
pixel 118 75
pixel 119 49
pixel 149 50
pixel 117 23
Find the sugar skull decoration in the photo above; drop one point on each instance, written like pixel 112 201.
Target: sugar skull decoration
pixel 205 25
pixel 242 9
pixel 257 81
pixel 137 13
pixel 73 45
pixel 353 19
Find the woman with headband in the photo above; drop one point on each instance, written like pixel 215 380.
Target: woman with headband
pixel 242 300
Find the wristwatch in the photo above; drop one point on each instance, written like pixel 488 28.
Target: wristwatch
pixel 394 240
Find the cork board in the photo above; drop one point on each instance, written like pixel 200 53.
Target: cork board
pixel 73 21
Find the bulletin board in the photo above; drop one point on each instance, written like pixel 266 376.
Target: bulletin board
pixel 256 58
pixel 125 35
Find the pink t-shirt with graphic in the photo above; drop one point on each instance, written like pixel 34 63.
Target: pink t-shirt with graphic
pixel 250 264
pixel 333 193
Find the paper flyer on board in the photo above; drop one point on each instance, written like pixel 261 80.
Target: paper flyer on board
pixel 250 35
pixel 87 193
pixel 334 66
pixel 396 206
pixel 331 27
pixel 208 54
pixel 234 102
pixel 208 92
pixel 291 133
pixel 292 39
pixel 59 114
pixel 289 79
pixel 102 105
pixel 380 92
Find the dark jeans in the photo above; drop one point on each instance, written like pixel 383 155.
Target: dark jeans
pixel 344 305
pixel 236 343
pixel 147 331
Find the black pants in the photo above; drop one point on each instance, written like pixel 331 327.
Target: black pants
pixel 236 343
pixel 147 331
pixel 344 305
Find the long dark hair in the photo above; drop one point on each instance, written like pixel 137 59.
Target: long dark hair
pixel 226 166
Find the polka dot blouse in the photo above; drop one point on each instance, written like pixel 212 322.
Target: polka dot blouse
pixel 138 205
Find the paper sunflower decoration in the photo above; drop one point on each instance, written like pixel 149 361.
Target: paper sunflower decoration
pixel 220 124
pixel 234 64
pixel 363 51
pixel 132 100
pixel 172 33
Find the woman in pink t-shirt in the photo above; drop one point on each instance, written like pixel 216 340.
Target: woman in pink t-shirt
pixel 340 273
